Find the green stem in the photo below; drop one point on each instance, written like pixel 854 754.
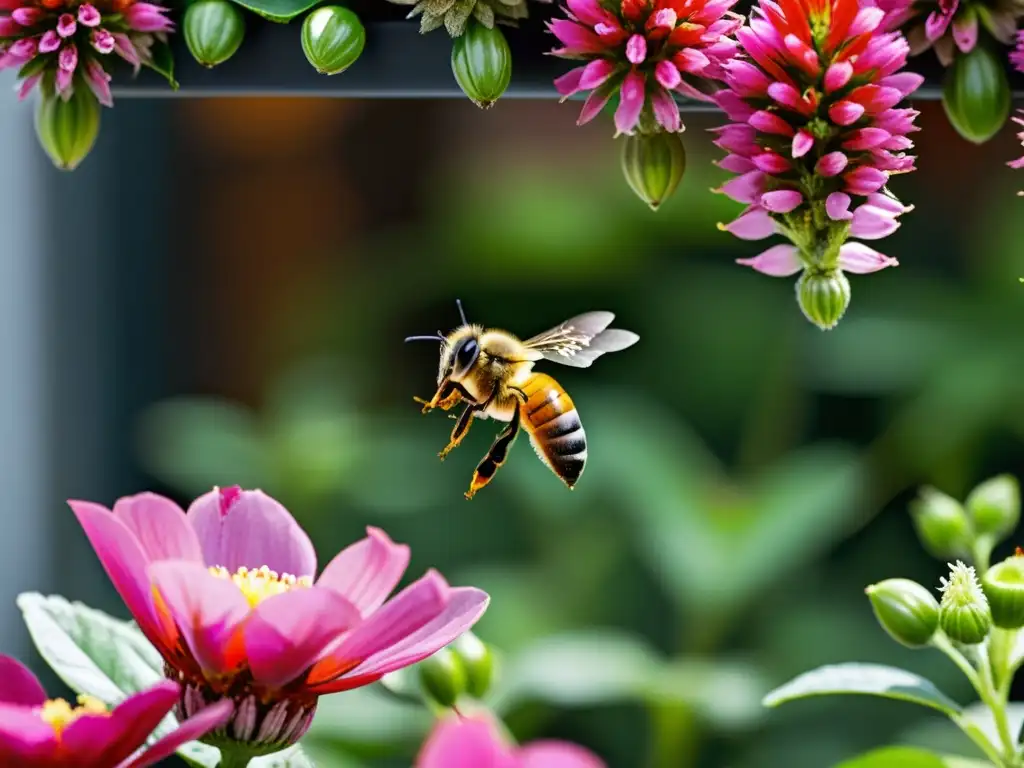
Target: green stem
pixel 978 738
pixel 234 759
pixel 1000 647
pixel 676 735
pixel 997 704
pixel 981 553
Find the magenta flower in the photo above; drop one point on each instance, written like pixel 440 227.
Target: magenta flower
pixel 227 593
pixel 50 733
pixel 816 134
pixel 474 743
pixel 1019 162
pixel 646 50
pixel 63 42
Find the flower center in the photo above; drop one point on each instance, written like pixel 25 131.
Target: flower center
pixel 58 714
pixel 260 583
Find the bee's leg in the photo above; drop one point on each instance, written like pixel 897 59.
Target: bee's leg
pixel 446 398
pixel 495 457
pixel 465 421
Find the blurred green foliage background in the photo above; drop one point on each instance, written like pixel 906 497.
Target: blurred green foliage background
pixel 748 474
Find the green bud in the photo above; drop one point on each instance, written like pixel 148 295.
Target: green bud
pixel 478 662
pixel 994 506
pixel 333 38
pixel 976 94
pixel 653 164
pixel 67 130
pixel 213 31
pixel 1004 588
pixel 482 63
pixel 906 610
pixel 823 297
pixel 964 612
pixel 942 525
pixel 443 677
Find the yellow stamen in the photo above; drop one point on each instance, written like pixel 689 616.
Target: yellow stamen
pixel 59 714
pixel 260 583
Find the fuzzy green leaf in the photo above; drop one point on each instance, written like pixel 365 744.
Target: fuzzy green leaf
pixel 864 679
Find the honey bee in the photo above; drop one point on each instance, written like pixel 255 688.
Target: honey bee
pixel 491 371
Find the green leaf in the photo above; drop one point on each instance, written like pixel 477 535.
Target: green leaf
pixel 279 11
pixel 163 63
pixel 865 679
pixel 910 757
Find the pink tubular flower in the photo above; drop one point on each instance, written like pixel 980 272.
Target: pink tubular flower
pixel 64 43
pixel 816 132
pixel 226 593
pixel 646 50
pixel 50 733
pixel 474 743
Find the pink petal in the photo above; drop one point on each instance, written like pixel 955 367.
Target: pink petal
pixel 845 112
pixel 417 623
pixel 592 107
pixel 667 75
pixel 160 527
pixel 782 200
pixel 18 685
pixel 889 204
pixel 771 163
pixel 125 562
pixel 691 60
pixel 25 739
pixel 111 738
pixel 49 42
pixel 831 164
pixel 736 164
pixel 965 31
pixel 866 20
pixel 464 743
pixel 777 261
pixel 288 632
pixel 88 15
pixel 631 103
pixel 209 612
pixel 596 73
pixel 575 37
pixel 752 224
pixel 557 754
pixel 904 82
pixel 865 180
pixel 935 25
pixel 27 85
pixel 248 529
pixel 198 725
pixel 785 94
pixel 66 25
pixel 98 80
pixel 366 572
pixel 838 75
pixel 569 83
pixel 588 11
pixel 738 139
pixel 837 206
pixel 870 223
pixel 666 111
pixel 733 106
pixel 769 122
pixel 636 49
pixel 865 138
pixel 747 188
pixel 859 259
pixel 803 142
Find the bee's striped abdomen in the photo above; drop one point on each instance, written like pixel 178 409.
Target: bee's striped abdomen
pixel 554 426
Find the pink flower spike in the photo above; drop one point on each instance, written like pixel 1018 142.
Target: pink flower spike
pixel 782 200
pixel 777 261
pixel 870 223
pixel 66 25
pixel 831 164
pixel 753 224
pixel 49 42
pixel 747 188
pixel 803 142
pixel 838 75
pixel 845 112
pixel 859 259
pixel 667 75
pixel 631 103
pixel 636 49
pixel 88 15
pixel 837 206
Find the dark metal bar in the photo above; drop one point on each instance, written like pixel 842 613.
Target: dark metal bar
pixel 398 63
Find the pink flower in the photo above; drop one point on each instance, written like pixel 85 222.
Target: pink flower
pixel 75 43
pixel 817 131
pixel 1017 55
pixel 228 595
pixel 1019 162
pixel 473 742
pixel 50 733
pixel 646 50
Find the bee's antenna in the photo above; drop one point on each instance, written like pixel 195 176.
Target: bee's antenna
pixel 462 314
pixel 424 338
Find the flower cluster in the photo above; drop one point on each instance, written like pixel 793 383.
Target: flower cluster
pixel 61 42
pixel 816 136
pixel 50 733
pixel 227 594
pixel 645 50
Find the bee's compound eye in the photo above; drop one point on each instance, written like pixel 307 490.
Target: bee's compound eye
pixel 467 354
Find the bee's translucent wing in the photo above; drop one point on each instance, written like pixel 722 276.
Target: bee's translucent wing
pixel 580 340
